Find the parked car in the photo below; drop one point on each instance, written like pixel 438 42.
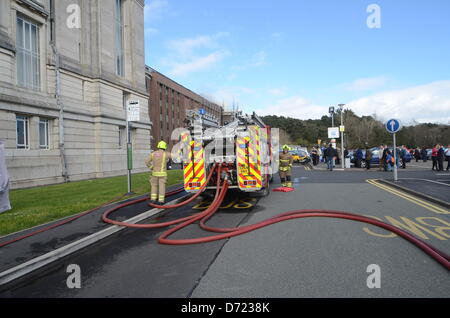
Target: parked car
pixel 300 156
pixel 376 155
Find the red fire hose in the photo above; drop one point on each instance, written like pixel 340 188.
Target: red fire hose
pixel 76 217
pixel 105 216
pixel 441 257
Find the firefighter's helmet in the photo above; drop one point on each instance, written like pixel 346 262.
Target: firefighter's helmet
pixel 162 145
pixel 286 147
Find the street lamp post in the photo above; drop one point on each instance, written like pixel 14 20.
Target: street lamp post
pixel 331 110
pixel 341 107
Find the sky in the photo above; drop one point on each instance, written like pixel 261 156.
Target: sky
pixel 296 58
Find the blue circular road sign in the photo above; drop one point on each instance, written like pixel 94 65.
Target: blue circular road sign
pixel 202 111
pixel 393 126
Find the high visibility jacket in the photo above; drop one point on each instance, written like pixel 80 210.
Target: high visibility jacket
pixel 157 162
pixel 286 161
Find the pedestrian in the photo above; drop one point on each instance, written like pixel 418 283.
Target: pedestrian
pixel 434 155
pixel 381 157
pixel 285 169
pixel 368 158
pixel 390 161
pixel 417 154
pixel 359 157
pixel 330 155
pixel 385 152
pixel 157 162
pixel 424 154
pixel 403 153
pixel 441 157
pixel 314 155
pixel 447 156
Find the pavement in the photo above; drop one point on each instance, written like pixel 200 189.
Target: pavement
pixel 314 257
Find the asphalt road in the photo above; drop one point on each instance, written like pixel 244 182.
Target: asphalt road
pixel 297 258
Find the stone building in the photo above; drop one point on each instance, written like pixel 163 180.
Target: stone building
pixel 67 70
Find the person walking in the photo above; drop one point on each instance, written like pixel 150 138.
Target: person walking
pixel 390 161
pixel 314 156
pixel 441 157
pixel 381 158
pixel 368 158
pixel 403 152
pixel 385 153
pixel 434 155
pixel 358 157
pixel 417 154
pixel 157 162
pixel 330 154
pixel 424 154
pixel 447 156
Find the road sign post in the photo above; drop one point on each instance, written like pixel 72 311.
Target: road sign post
pixel 393 126
pixel 133 114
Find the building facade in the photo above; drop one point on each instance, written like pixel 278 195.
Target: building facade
pixel 169 102
pixel 67 70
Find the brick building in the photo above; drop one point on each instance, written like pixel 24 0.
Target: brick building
pixel 169 102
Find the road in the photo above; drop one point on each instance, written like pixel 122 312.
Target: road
pixel 313 257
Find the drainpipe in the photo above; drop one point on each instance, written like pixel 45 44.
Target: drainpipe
pixel 59 103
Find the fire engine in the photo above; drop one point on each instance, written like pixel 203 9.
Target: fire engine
pixel 244 147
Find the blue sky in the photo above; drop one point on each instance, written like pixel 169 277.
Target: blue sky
pixel 297 57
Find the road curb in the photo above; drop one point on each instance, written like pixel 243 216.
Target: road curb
pixel 418 194
pixel 30 266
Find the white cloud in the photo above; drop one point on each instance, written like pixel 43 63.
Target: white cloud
pixel 154 9
pixel 194 54
pixel 197 64
pixel 258 59
pixel 365 84
pixel 185 47
pixel 277 91
pixel 296 107
pixel 424 103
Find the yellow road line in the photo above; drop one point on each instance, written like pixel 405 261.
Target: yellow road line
pixel 410 198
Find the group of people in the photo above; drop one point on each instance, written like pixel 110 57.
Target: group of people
pixel 438 155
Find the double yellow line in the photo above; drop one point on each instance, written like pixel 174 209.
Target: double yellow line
pixel 307 167
pixel 409 197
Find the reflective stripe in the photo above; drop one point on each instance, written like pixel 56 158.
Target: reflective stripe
pixel 162 172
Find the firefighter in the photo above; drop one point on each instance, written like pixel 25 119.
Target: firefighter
pixel 285 168
pixel 157 162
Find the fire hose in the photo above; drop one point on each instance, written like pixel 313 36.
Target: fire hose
pixel 225 233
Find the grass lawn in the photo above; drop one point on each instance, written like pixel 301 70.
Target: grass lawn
pixel 40 205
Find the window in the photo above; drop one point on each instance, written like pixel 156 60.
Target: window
pixel 22 136
pixel 44 133
pixel 27 42
pixel 119 38
pixel 122 134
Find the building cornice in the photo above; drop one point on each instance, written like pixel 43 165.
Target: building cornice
pixel 34 6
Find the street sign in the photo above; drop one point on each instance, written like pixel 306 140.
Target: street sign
pixel 133 110
pixel 393 126
pixel 342 128
pixel 202 111
pixel 333 133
